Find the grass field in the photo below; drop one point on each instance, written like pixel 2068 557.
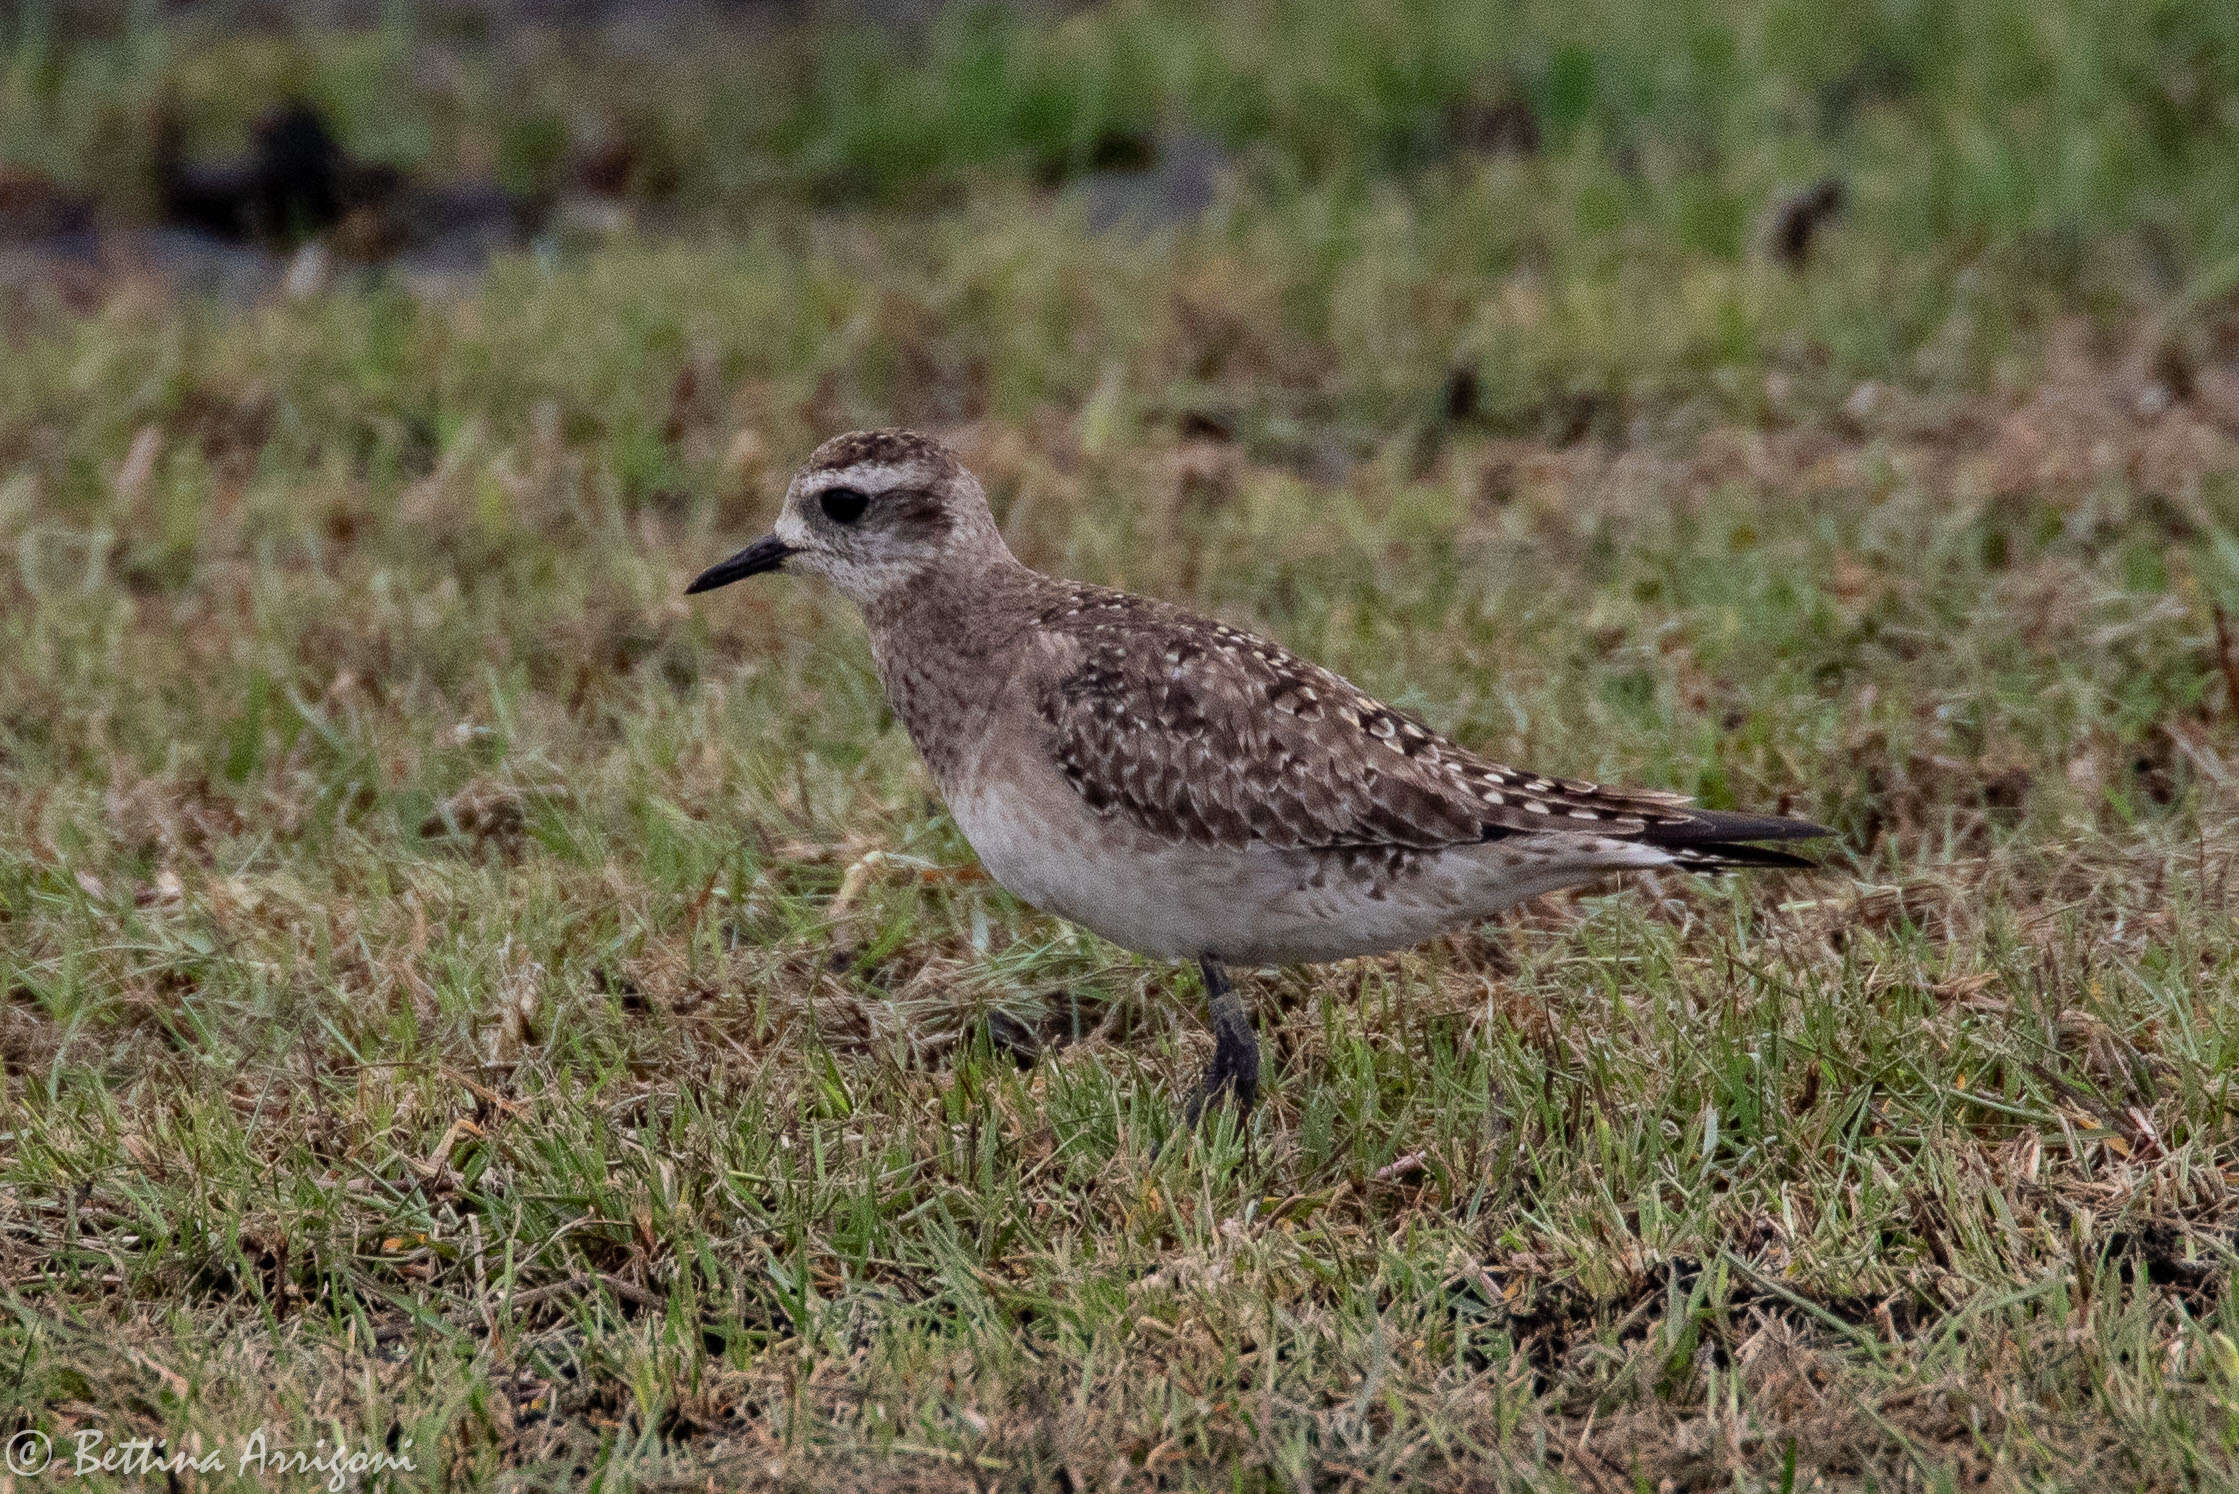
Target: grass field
pixel 459 998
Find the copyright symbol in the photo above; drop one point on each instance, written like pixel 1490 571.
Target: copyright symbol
pixel 29 1452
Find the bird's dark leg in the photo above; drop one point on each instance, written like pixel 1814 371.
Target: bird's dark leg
pixel 1235 1065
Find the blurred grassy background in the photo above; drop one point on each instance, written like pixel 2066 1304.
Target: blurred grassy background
pixel 1610 166
pixel 1962 126
pixel 447 991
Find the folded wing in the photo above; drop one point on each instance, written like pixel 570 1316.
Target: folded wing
pixel 1198 732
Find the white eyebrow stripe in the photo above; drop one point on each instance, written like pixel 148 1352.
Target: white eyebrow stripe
pixel 865 477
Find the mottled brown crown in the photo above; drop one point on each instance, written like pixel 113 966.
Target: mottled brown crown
pixel 884 448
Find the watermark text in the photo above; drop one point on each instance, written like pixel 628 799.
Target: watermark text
pixel 89 1452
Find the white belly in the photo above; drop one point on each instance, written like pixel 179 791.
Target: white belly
pixel 1255 906
pixel 1153 898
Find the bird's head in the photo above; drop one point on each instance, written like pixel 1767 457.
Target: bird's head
pixel 873 512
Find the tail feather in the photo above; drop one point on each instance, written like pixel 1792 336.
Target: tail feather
pixel 1728 858
pixel 1715 840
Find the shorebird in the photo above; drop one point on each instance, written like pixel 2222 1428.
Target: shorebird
pixel 1180 787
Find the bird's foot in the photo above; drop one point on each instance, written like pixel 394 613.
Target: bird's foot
pixel 1225 1079
pixel 1234 1071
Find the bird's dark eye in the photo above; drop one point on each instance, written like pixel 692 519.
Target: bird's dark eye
pixel 842 505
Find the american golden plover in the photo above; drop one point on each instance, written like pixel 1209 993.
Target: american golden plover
pixel 1184 789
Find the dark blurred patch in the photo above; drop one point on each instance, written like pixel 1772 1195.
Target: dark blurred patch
pixel 295 183
pixel 2160 769
pixel 298 185
pixel 627 994
pixel 1796 221
pixel 1199 423
pixel 2155 1253
pixel 1505 126
pixel 607 167
pixel 1118 151
pixel 2005 791
pixel 1463 396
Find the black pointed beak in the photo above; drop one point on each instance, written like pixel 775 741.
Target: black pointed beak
pixel 765 554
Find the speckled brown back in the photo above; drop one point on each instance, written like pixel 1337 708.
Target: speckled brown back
pixel 1199 732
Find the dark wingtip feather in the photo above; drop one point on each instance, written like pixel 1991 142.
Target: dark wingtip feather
pixel 1712 840
pixel 1717 828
